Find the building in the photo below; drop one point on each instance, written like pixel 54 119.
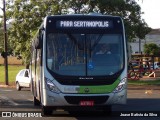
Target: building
pixel 152 37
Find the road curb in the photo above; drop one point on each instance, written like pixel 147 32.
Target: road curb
pixel 143 87
pixel 7 86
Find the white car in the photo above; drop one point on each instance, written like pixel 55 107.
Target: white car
pixel 23 79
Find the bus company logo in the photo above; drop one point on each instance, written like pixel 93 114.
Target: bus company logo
pixel 21 114
pixel 6 114
pixel 86 90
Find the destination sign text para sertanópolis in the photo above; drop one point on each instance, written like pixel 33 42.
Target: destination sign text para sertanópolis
pixel 84 24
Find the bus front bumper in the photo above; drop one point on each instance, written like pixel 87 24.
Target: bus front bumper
pixel 60 99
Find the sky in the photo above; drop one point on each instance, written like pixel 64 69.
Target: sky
pixel 151 9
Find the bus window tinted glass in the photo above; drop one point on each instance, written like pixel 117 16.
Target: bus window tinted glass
pixel 84 54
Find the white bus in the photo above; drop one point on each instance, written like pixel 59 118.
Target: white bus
pixel 79 61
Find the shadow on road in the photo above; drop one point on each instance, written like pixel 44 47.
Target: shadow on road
pixel 140 105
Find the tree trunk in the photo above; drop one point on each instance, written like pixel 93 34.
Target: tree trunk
pixel 27 66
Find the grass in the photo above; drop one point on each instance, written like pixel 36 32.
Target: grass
pixel 14 69
pixel 148 82
pixel 12 72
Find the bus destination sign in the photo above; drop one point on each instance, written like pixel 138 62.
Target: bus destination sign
pixel 84 24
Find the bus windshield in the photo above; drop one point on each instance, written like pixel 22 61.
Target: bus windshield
pixel 84 54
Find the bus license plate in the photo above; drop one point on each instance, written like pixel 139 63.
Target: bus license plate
pixel 86 103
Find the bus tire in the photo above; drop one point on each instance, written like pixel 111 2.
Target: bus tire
pixel 18 87
pixel 107 110
pixel 36 101
pixel 47 110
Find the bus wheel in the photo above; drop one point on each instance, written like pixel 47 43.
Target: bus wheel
pixel 46 110
pixel 18 86
pixel 107 110
pixel 36 101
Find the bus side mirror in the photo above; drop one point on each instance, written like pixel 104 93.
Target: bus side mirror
pixel 39 40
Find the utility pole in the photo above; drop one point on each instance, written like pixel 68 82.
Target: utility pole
pixel 5 43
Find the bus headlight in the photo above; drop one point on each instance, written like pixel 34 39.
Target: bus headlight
pixel 121 85
pixel 51 86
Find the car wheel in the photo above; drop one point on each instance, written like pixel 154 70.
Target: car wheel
pixel 18 87
pixel 107 110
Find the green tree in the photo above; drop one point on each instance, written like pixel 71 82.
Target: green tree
pixel 77 6
pixel 9 45
pixel 1 38
pixel 129 10
pixel 151 49
pixel 27 16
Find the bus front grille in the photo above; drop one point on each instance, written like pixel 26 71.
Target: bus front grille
pixel 77 99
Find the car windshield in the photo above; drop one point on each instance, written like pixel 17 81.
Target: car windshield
pixel 84 54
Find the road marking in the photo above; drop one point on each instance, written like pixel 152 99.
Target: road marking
pixel 7 101
pixel 6 90
pixel 30 99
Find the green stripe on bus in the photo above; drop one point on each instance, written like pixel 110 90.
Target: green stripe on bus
pixel 99 88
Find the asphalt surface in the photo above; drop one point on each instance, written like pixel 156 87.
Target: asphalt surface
pixel 141 100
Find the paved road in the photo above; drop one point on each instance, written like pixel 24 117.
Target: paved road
pixel 141 100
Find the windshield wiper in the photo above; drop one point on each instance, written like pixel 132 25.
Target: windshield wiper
pixel 76 42
pixel 96 41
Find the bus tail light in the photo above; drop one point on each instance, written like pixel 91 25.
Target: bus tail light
pixel 51 86
pixel 121 85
